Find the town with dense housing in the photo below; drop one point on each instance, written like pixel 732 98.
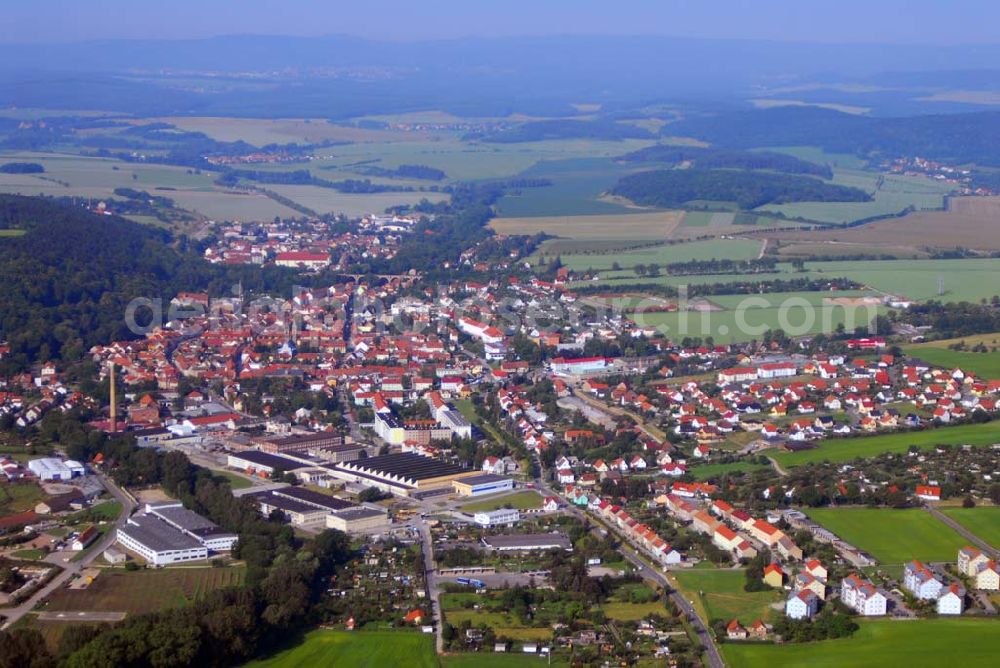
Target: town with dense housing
pixel 343 351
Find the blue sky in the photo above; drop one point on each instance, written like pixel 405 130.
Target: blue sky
pixel 873 21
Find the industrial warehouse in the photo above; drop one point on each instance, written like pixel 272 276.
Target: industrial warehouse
pixel 300 507
pixel 168 534
pixel 402 473
pixel 485 483
pixel 527 542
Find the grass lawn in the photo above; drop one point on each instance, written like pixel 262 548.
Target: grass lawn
pixel 146 590
pixel 716 470
pixel 844 450
pixel 502 623
pixel 521 500
pixel 454 601
pixel 30 555
pixel 892 536
pixel 723 596
pixel 107 511
pixel 16 498
pixel 235 481
pixel 984 521
pixel 624 611
pixel 926 643
pixel 357 649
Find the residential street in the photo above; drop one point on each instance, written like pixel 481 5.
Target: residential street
pixel 649 573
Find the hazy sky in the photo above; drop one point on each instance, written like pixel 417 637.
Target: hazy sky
pixel 880 21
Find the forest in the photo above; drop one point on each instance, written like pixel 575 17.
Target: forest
pixel 68 279
pixel 711 158
pixel 959 138
pixel 231 177
pixel 671 188
pixel 22 168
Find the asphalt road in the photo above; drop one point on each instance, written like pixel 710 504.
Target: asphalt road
pixel 650 573
pixel 965 533
pixel 72 568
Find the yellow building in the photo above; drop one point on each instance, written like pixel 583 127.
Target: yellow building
pixel 774 576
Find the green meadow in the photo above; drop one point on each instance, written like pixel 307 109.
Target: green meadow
pixel 361 649
pixel 892 536
pixel 844 450
pixel 984 521
pixel 928 643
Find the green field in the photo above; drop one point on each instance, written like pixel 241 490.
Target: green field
pixel 752 320
pixel 721 595
pixel 895 194
pixel 145 590
pixel 983 521
pixel 982 364
pixel 731 249
pixel 577 185
pixel 892 536
pixel 107 511
pixel 820 157
pixel 521 500
pixel 970 280
pixel 919 644
pixel 843 450
pixel 362 649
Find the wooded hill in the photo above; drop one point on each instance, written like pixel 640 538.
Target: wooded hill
pixel 68 279
pixel 672 188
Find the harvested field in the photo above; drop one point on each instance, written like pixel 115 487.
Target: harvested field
pixel 621 227
pixel 146 590
pixel 971 222
pixel 852 301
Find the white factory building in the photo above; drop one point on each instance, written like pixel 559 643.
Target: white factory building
pixel 52 468
pixel 168 533
pixel 496 518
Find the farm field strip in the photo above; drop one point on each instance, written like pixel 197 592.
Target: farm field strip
pixel 615 227
pixel 732 249
pixel 843 450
